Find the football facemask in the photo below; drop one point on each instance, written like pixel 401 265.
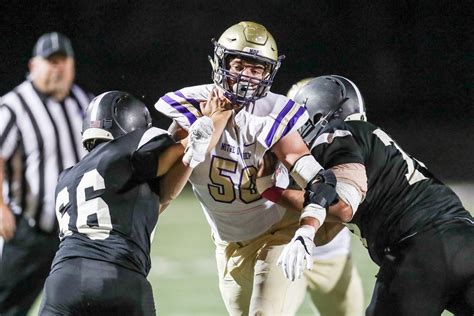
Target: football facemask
pixel 251 42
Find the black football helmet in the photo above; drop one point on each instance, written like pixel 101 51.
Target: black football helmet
pixel 111 115
pixel 327 98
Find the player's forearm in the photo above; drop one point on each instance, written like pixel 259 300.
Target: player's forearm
pixel 341 212
pixel 292 200
pixel 327 232
pixel 220 121
pixel 169 157
pixel 173 183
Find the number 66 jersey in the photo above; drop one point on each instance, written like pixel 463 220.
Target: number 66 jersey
pixel 225 182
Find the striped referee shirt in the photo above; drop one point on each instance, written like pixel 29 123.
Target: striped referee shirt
pixel 39 137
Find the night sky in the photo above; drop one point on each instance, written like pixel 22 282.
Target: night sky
pixel 412 60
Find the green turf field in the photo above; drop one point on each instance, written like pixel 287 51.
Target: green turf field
pixel 183 271
pixel 184 274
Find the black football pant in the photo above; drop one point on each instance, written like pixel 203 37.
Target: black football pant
pixel 428 273
pixel 80 286
pixel 25 264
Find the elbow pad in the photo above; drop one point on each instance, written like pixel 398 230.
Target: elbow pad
pixel 322 191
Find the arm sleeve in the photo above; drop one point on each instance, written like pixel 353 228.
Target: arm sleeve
pixel 353 174
pixel 8 132
pixel 145 158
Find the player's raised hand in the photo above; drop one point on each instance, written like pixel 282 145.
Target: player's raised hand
pixel 215 103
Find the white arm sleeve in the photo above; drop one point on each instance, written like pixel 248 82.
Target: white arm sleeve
pixel 349 194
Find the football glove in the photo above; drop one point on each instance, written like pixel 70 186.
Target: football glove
pixel 296 252
pixel 200 134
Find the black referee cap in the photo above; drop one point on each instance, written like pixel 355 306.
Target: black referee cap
pixel 51 43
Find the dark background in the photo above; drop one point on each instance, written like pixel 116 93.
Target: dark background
pixel 412 60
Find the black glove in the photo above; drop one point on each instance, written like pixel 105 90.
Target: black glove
pixel 322 190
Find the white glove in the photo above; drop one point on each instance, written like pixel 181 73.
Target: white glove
pixel 299 249
pixel 200 135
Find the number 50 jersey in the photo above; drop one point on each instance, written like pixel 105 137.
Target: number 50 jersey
pixel 225 182
pixel 106 204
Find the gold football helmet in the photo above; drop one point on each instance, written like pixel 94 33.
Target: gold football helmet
pixel 295 87
pixel 249 41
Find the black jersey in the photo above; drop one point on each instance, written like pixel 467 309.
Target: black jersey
pixel 106 205
pixel 403 197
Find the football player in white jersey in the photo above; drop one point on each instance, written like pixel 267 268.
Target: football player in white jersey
pixel 249 230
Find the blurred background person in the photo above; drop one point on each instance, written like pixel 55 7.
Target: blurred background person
pixel 40 124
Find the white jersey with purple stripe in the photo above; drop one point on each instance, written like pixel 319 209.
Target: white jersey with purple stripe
pixel 225 182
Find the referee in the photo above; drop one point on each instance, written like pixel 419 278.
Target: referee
pixel 40 124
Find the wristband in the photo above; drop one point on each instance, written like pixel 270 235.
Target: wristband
pixel 315 211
